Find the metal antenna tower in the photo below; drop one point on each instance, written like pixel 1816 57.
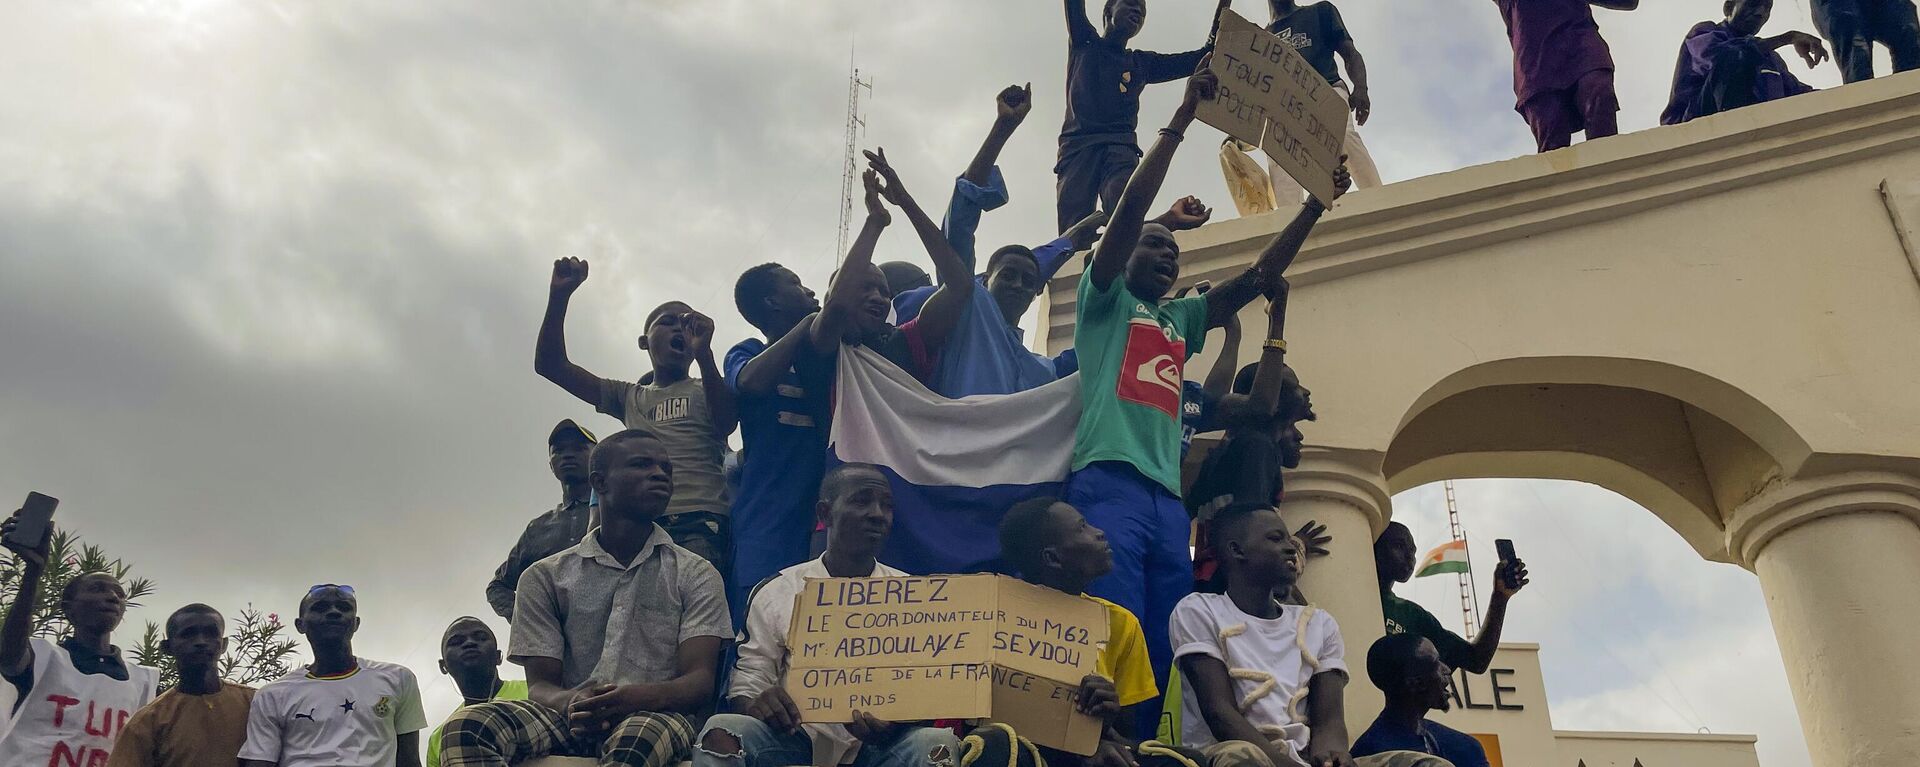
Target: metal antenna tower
pixel 851 167
pixel 1469 597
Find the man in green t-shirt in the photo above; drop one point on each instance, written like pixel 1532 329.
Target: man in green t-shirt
pixel 1133 346
pixel 470 654
pixel 1393 560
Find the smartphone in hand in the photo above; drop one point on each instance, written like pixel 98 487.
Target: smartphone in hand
pixel 1505 547
pixel 36 515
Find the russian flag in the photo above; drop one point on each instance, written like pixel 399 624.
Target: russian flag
pixel 956 465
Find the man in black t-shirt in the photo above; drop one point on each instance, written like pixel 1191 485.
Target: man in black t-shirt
pixel 1317 33
pixel 1098 146
pixel 1393 561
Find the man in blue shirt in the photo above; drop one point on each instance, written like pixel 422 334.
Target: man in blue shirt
pixel 783 411
pixel 1409 671
pixel 1098 146
pixel 986 352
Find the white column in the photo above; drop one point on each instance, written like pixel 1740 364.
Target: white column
pixel 1346 491
pixel 1839 562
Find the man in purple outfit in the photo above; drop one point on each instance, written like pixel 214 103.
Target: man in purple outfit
pixel 1727 65
pixel 1562 70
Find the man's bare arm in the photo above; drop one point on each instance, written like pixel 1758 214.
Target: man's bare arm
pixel 1327 740
pixel 550 349
pixel 843 296
pixel 943 309
pixel 762 373
pixel 407 744
pixel 1230 297
pixel 689 691
pixel 1361 102
pixel 1130 213
pixel 1010 109
pixel 722 415
pixel 16 647
pixel 1213 690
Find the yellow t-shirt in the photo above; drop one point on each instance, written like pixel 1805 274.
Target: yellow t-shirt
pixel 1124 658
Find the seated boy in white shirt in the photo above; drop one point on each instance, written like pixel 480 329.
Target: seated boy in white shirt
pixel 1264 681
pixel 856 503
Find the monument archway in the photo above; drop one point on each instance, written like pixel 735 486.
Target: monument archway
pixel 1719 320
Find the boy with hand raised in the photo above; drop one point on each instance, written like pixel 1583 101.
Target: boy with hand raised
pixel 85 669
pixel 693 416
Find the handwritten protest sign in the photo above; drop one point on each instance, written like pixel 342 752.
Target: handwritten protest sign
pixel 946 647
pixel 1271 97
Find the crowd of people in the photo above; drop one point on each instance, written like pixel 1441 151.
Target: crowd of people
pixel 649 608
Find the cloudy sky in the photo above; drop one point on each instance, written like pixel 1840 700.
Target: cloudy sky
pixel 270 275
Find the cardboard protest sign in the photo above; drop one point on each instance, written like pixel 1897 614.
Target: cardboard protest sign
pixel 1271 97
pixel 946 647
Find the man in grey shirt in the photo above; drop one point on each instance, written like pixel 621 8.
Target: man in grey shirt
pixel 620 635
pixel 693 416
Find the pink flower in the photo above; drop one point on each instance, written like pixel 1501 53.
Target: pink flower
pixel 273 618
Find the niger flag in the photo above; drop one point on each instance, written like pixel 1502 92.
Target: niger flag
pixel 1449 557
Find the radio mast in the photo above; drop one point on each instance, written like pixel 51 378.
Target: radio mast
pixel 850 168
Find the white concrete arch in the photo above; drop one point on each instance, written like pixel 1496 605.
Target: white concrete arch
pixel 1719 320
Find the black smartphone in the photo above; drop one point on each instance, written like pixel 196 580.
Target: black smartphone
pixel 35 515
pixel 1505 547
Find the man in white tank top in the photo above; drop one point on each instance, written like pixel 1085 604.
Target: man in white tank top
pixel 70 698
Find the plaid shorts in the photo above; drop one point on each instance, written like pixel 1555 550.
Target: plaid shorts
pixel 503 732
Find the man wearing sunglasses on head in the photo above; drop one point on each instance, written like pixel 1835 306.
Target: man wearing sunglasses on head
pixel 339 710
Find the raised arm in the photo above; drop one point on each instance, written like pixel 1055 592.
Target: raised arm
pixel 16 651
pixel 722 415
pixel 1130 213
pixel 1229 298
pixel 1219 381
pixel 1079 28
pixel 981 188
pixel 1166 67
pixel 943 308
pixel 1487 642
pixel 843 296
pixel 550 350
pixel 1269 379
pixel 1327 740
pixel 1010 109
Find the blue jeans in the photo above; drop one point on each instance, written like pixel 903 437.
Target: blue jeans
pixel 760 746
